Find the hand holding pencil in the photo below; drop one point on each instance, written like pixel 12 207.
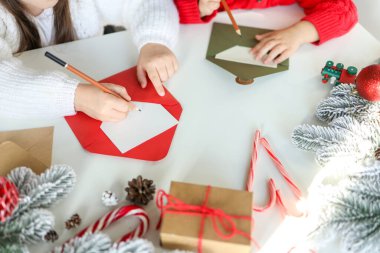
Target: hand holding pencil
pixel 105 102
pixel 208 7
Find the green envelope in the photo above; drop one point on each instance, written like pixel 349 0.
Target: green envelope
pixel 223 37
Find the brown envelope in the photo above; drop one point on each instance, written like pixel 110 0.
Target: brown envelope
pixel 29 147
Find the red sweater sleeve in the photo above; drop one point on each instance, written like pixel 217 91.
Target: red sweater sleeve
pixel 189 12
pixel 331 18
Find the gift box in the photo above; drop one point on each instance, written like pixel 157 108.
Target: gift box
pixel 205 219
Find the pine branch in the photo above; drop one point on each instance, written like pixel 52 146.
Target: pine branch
pixel 310 137
pixel 345 102
pixel 13 248
pixel 24 179
pixel 133 246
pixel 348 209
pixel 53 185
pixel 89 243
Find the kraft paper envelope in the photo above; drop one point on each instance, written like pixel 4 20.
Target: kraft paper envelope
pixel 224 37
pixel 13 156
pixel 36 142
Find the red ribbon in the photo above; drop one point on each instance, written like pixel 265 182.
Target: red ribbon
pixel 218 216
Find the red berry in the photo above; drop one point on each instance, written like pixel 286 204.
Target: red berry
pixel 368 83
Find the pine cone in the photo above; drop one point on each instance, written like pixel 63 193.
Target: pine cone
pixel 377 154
pixel 51 236
pixel 140 191
pixel 73 222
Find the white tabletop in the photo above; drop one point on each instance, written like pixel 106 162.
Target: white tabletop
pixel 212 144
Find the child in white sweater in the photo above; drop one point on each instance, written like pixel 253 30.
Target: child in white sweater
pixel 29 24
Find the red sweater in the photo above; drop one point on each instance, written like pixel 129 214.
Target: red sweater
pixel 331 18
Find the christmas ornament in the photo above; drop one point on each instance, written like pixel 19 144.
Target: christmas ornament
pixel 8 198
pixel 337 74
pixel 112 217
pixel 109 198
pixel 368 82
pixel 51 236
pixel 140 191
pixel 73 222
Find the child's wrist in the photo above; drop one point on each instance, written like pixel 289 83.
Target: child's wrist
pixel 306 32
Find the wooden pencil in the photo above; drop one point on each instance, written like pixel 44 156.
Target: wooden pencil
pixel 227 8
pixel 83 75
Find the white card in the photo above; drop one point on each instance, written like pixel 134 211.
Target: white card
pixel 242 55
pixel 139 126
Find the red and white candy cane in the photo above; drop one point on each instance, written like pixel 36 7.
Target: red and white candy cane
pixel 117 214
pixel 114 216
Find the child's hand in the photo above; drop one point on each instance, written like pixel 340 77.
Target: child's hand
pixel 207 7
pixel 277 46
pixel 159 63
pixel 100 105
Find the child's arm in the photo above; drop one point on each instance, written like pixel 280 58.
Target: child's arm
pixel 277 46
pixel 154 27
pixel 25 93
pixel 324 20
pixel 197 11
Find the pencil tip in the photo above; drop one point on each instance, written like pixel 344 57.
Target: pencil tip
pixel 238 32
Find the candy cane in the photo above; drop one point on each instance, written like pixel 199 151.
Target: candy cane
pixel 114 216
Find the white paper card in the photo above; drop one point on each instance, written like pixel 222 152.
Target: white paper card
pixel 242 55
pixel 139 126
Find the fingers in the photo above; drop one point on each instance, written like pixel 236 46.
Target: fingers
pixel 265 48
pixel 274 53
pixel 120 90
pixel 141 77
pixel 114 116
pixel 285 55
pixel 154 77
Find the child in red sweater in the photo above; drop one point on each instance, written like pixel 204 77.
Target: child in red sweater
pixel 324 20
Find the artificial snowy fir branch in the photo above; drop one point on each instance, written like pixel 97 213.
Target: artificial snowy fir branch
pixel 13 248
pixel 345 102
pixel 101 243
pixel 348 209
pixel 133 246
pixel 24 179
pixel 45 190
pixel 88 243
pixel 29 228
pixel 346 139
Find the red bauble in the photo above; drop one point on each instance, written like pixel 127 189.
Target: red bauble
pixel 8 198
pixel 368 83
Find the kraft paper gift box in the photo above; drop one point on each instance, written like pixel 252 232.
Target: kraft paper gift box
pixel 181 231
pixel 29 147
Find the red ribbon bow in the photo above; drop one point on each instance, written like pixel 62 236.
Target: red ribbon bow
pixel 217 216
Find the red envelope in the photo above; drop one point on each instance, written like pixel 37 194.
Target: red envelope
pixel 94 140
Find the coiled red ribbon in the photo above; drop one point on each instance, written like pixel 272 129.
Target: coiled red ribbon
pixel 219 217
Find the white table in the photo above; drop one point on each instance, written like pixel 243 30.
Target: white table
pixel 213 141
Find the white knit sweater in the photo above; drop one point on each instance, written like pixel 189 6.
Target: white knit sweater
pixel 25 93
